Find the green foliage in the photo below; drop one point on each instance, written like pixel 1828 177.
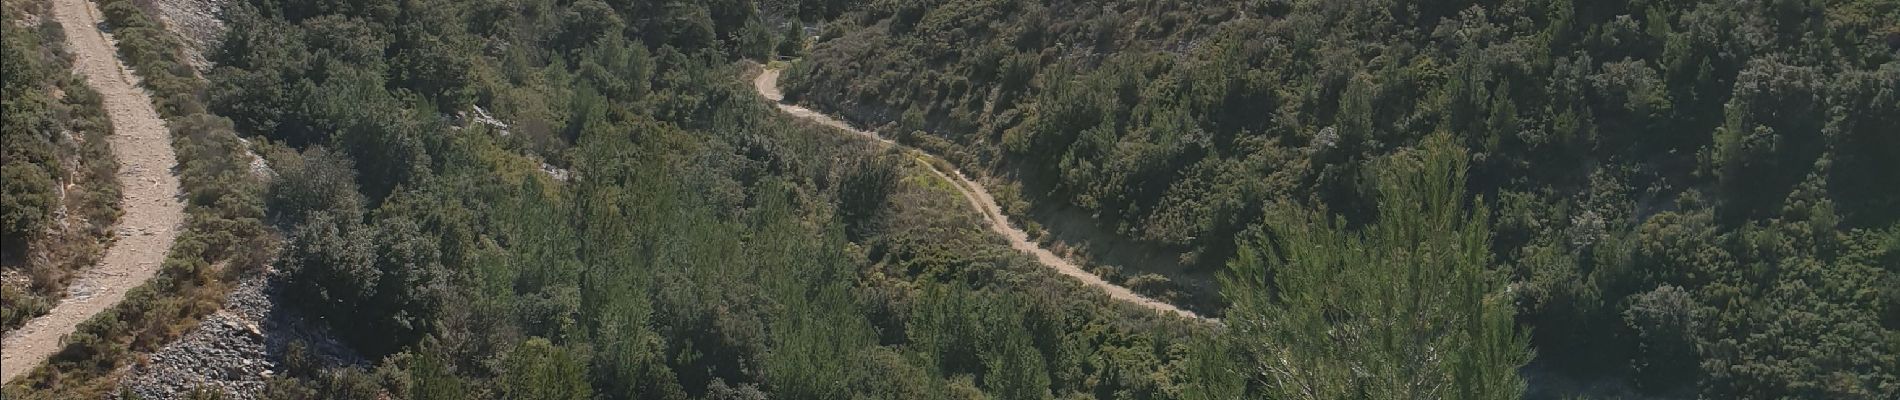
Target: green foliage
pixel 862 192
pixel 21 306
pixel 1407 306
pixel 59 191
pixel 792 42
pixel 537 370
pixel 224 210
pixel 431 376
pixel 28 210
pixel 387 277
pixel 29 130
pixel 317 182
pixel 148 47
pixel 633 223
pixel 1665 320
pixel 1685 193
pixel 1214 370
pixel 755 42
pixel 339 383
pixel 706 249
pixel 329 261
pixel 1629 146
pixel 1013 368
pixel 617 69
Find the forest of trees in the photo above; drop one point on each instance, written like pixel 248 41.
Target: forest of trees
pixel 1400 199
pixel 1688 197
pixel 1405 307
pixel 58 192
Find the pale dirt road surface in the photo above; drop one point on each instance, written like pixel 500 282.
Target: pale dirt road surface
pixel 979 198
pixel 153 211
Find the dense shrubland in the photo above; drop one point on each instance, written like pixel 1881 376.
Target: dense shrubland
pixel 1688 197
pixel 57 171
pixel 1407 198
pixel 701 246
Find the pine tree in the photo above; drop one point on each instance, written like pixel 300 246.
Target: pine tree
pixel 540 370
pixel 1406 306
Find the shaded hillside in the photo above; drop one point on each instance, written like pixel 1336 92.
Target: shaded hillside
pixel 1671 183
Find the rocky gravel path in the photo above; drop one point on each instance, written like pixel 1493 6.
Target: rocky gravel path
pixel 153 210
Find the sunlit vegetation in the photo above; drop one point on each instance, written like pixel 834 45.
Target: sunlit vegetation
pixel 223 234
pixel 60 195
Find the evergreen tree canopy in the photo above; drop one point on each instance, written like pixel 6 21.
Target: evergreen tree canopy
pixel 1407 306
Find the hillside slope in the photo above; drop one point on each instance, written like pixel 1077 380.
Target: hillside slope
pixel 153 211
pixel 1663 176
pixel 980 199
pixel 60 196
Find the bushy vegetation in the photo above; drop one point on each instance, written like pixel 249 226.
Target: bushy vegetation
pixel 635 223
pixel 59 194
pixel 1682 194
pixel 223 234
pixel 1405 306
pixel 1402 199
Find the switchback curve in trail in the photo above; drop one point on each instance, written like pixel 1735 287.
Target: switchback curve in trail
pixel 153 211
pixel 978 197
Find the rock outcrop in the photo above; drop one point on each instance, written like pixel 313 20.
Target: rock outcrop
pixel 237 349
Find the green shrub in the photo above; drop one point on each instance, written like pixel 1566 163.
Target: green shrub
pixel 54 155
pixel 224 212
pixel 20 306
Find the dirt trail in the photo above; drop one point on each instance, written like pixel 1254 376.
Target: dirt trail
pixel 979 198
pixel 153 212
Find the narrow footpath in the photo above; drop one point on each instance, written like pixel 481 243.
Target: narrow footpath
pixel 153 210
pixel 979 198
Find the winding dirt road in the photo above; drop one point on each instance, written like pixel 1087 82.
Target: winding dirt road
pixel 979 198
pixel 153 212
